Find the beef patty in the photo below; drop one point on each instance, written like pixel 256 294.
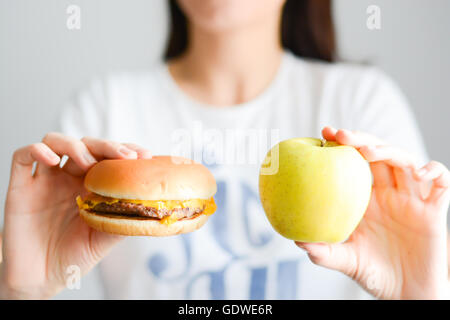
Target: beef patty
pixel 135 209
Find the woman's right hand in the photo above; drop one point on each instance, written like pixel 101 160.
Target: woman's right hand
pixel 43 234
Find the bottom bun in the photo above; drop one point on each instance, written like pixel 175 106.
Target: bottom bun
pixel 140 226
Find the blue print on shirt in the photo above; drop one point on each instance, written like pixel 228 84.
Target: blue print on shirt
pixel 260 239
pixel 219 219
pixel 158 263
pixel 286 270
pixel 258 283
pixel 287 279
pixel 216 287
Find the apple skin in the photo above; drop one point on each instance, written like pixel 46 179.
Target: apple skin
pixel 319 192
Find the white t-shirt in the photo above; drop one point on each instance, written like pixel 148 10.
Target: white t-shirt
pixel 236 255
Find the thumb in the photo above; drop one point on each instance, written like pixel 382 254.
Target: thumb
pixel 337 256
pixel 23 159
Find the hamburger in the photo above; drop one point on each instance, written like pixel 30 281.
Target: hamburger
pixel 161 196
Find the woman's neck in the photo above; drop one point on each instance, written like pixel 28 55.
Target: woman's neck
pixel 232 67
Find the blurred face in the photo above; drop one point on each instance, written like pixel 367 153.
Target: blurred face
pixel 223 15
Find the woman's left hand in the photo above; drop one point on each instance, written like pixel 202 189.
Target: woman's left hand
pixel 399 250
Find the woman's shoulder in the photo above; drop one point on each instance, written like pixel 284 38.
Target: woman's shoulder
pixel 349 85
pixel 106 90
pixel 110 96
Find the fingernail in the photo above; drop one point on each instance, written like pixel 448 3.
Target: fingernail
pixel 371 149
pixel 53 157
pixel 63 161
pixel 127 152
pixel 421 172
pixel 146 155
pixel 89 158
pixel 300 245
pixel 346 131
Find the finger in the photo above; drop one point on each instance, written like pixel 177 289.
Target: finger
pixel 383 175
pixel 329 133
pixel 141 151
pixel 357 139
pixel 401 162
pixel 439 175
pixel 24 158
pixel 80 159
pixel 71 167
pixel 390 155
pixel 405 182
pixel 338 256
pixel 436 172
pixel 102 149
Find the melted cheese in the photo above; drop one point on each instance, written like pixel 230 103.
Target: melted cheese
pixel 169 219
pixel 209 206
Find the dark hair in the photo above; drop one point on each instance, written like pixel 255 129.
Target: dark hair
pixel 307 29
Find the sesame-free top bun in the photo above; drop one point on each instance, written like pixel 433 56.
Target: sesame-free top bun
pixel 158 178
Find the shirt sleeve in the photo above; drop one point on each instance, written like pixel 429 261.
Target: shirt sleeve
pixel 382 109
pixel 85 113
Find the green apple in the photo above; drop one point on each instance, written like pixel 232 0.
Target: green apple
pixel 314 191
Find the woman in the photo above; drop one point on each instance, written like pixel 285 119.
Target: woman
pixel 230 69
